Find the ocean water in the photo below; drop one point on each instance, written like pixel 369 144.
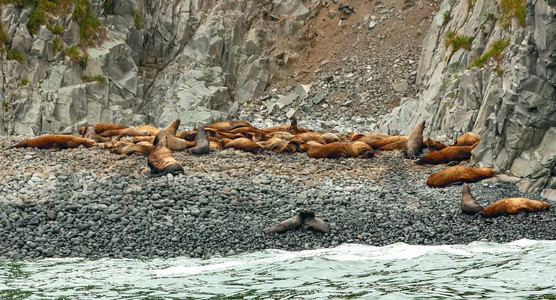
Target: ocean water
pixel 522 269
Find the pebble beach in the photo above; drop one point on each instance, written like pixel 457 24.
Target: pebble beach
pixel 93 203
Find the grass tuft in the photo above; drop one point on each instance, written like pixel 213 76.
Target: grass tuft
pixel 495 51
pixel 16 55
pixel 513 9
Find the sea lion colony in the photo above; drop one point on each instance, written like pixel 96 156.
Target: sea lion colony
pixel 158 144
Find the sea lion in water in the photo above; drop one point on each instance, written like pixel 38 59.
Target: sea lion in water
pixel 458 174
pixel 202 142
pixel 469 205
pixel 310 222
pixel 513 206
pixel 56 141
pixel 415 141
pixel 161 161
pixel 292 223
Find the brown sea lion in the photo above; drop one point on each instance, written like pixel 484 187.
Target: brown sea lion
pixel 387 140
pixel 161 161
pixel 279 145
pixel 434 145
pixel 310 222
pixel 56 141
pixel 415 141
pixel 304 137
pixel 294 129
pixel 457 175
pixel 89 133
pixel 469 205
pixel 369 137
pixel 144 130
pixel 513 206
pixel 399 145
pixel 468 139
pixel 448 154
pixel 243 144
pixel 330 137
pixel 169 130
pixel 101 127
pixel 341 150
pixel 228 125
pixel 141 148
pixel 292 223
pixel 202 142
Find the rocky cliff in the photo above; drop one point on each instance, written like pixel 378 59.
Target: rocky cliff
pixel 154 61
pixel 490 67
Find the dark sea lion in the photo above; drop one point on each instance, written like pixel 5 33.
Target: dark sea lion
pixel 310 222
pixel 457 175
pixel 202 142
pixel 468 139
pixel 161 161
pixel 56 141
pixel 448 154
pixel 415 141
pixel 292 223
pixel 513 206
pixel 469 205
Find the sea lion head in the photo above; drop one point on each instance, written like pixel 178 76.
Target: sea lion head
pixel 304 214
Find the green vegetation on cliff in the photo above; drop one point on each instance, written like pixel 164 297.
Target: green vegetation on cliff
pixel 90 27
pixel 495 52
pixel 511 9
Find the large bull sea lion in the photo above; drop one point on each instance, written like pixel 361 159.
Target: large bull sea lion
pixel 415 141
pixel 202 142
pixel 162 162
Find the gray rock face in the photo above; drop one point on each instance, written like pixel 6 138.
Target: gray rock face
pixel 511 104
pixel 195 60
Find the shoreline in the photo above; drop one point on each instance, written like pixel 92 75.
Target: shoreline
pixel 92 203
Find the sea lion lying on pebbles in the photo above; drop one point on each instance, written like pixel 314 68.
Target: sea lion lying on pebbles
pixel 305 220
pixel 513 206
pixel 101 127
pixel 162 162
pixel 448 154
pixel 508 206
pixel 56 141
pixel 457 175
